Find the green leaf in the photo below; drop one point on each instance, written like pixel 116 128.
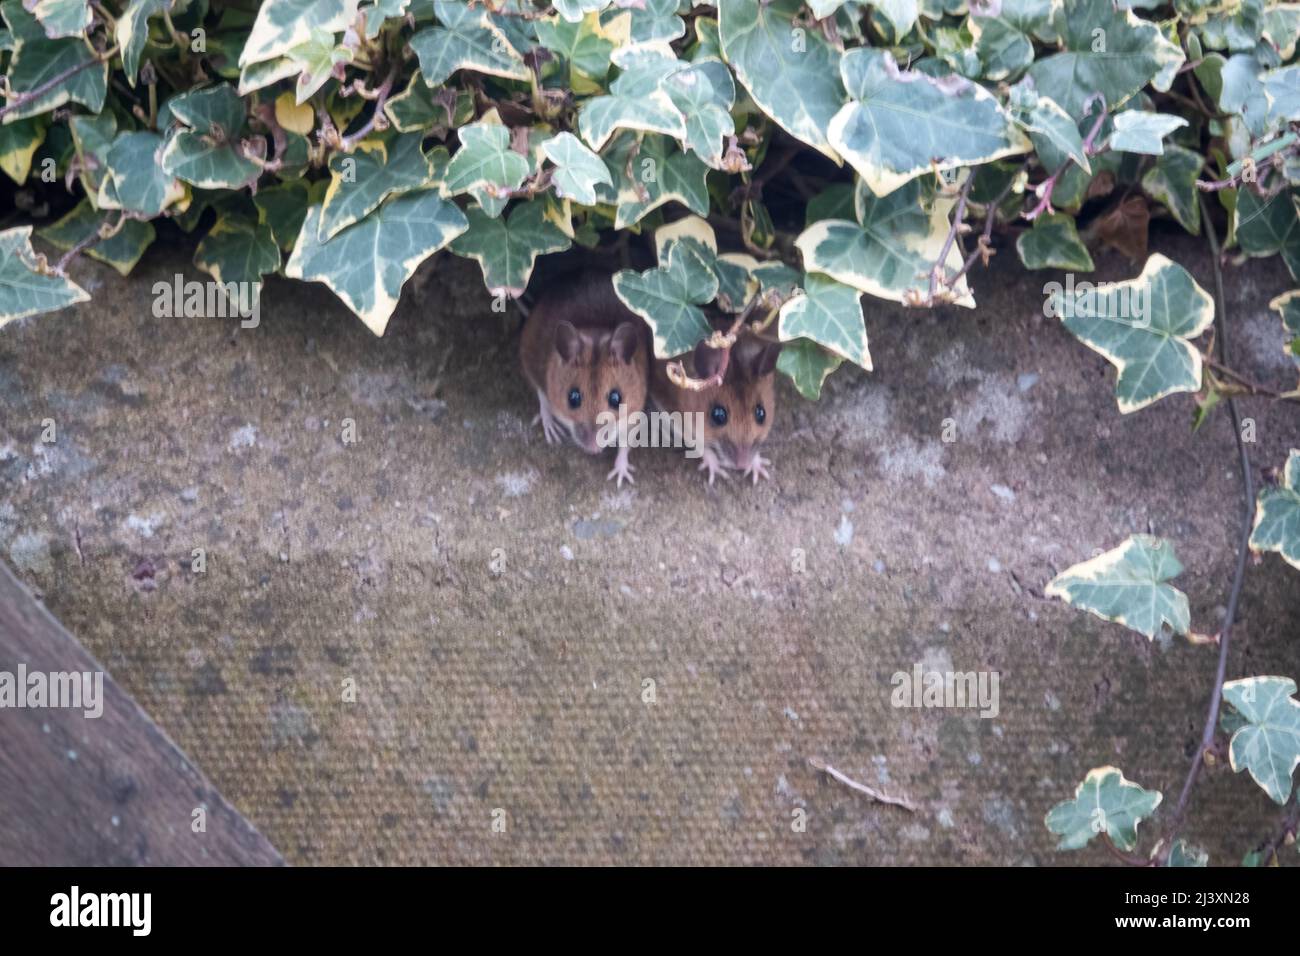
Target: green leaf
pixel 704 94
pixel 315 60
pixel 139 183
pixel 1277 515
pixel 282 25
pixel 582 43
pixel 1004 42
pixel 891 252
pixel 484 160
pixel 18 144
pixel 807 365
pixel 1104 803
pixel 669 298
pixel 1142 326
pixel 239 250
pixel 121 251
pixel 1268 744
pixel 92 137
pixel 26 285
pixel 575 10
pixel 577 169
pixel 1282 87
pixel 132 33
pixel 830 314
pixel 654 20
pixel 901 125
pixel 61 18
pixel 466 39
pixel 204 155
pixel 1054 133
pixel 1107 50
pixel 1266 227
pixel 636 100
pixel 282 208
pixel 367 264
pixel 1182 854
pixel 506 248
pixel 1127 585
pixel 1054 243
pixel 360 181
pixel 1137 131
pixel 901 14
pixel 1172 181
pixel 379 12
pixel 1287 305
pixel 38 60
pixel 790 72
pixel 659 173
pixel 833 202
pixel 257 76
pixel 420 108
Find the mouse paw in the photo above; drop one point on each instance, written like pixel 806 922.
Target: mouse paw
pixel 622 468
pixel 550 427
pixel 710 462
pixel 758 468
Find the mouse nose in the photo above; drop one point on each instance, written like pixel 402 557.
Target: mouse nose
pixel 585 436
pixel 744 456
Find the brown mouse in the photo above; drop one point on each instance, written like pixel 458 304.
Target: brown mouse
pixel 737 415
pixel 585 353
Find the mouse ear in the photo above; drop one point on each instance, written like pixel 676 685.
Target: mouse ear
pixel 568 344
pixel 765 360
pixel 707 361
pixel 622 345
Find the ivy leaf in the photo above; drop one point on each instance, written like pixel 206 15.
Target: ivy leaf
pixel 315 60
pixel 1183 854
pixel 1054 243
pixel 807 365
pixel 1142 326
pixel 902 124
pixel 660 173
pixel 204 155
pixel 26 285
pixel 577 169
pixel 1172 181
pixel 121 251
pixel 484 160
pixel 1268 744
pixel 1004 42
pixel 282 25
pixel 37 60
pixel 575 10
pixel 1137 131
pixel 1054 133
pixel 669 298
pixel 360 181
pixel 901 15
pixel 1127 585
pixel 1266 227
pixel 367 264
pixel 238 249
pixel 92 137
pixel 258 76
pixel 890 251
pixel 635 99
pixel 139 183
pixel 466 39
pixel 654 20
pixel 1277 515
pixel 1287 305
pixel 18 144
pixel 419 107
pixel 791 73
pixel 506 248
pixel 582 43
pixel 132 32
pixel 1282 87
pixel 61 18
pixel 1104 803
pixel 379 12
pixel 282 208
pixel 830 314
pixel 1107 50
pixel 704 94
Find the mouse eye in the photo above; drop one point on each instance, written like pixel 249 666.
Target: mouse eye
pixel 719 415
pixel 615 398
pixel 760 413
pixel 575 397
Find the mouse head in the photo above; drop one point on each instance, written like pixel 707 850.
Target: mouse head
pixel 738 413
pixel 595 370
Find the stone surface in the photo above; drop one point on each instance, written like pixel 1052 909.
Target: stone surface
pixel 520 693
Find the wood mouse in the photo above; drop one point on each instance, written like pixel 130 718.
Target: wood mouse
pixel 737 415
pixel 585 353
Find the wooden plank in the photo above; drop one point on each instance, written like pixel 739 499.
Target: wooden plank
pixel 111 790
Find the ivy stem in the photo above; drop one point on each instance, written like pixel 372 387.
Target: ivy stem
pixel 22 99
pixel 1243 550
pixel 1129 859
pixel 958 216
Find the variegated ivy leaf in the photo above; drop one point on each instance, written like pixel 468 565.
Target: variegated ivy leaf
pixel 367 264
pixel 1004 37
pixel 360 181
pixel 379 11
pixel 577 169
pixel 484 160
pixel 121 251
pixel 1282 28
pixel 282 208
pixel 1287 305
pixel 1128 585
pixel 889 253
pixel 734 271
pixel 1137 131
pixel 465 39
pixel 636 99
pixel 704 94
pixel 205 153
pixel 1269 226
pixel 903 124
pixel 584 44
pixel 830 314
pixel 657 173
pixel 18 144
pixel 506 247
pixel 1183 854
pixel 38 61
pixel 132 32
pixel 1172 181
pixel 575 10
pixel 899 14
pixel 1104 803
pixel 61 18
pixel 1277 515
pixel 1054 243
pixel 1108 50
pixel 315 60
pixel 1268 743
pixel 139 183
pixel 654 20
pixel 1236 28
pixel 282 25
pixel 807 365
pixel 421 108
pixel 669 298
pixel 237 249
pixel 1143 327
pixel 790 72
pixel 92 136
pixel 1054 133
pixel 27 287
pixel 257 76
pixel 1282 88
